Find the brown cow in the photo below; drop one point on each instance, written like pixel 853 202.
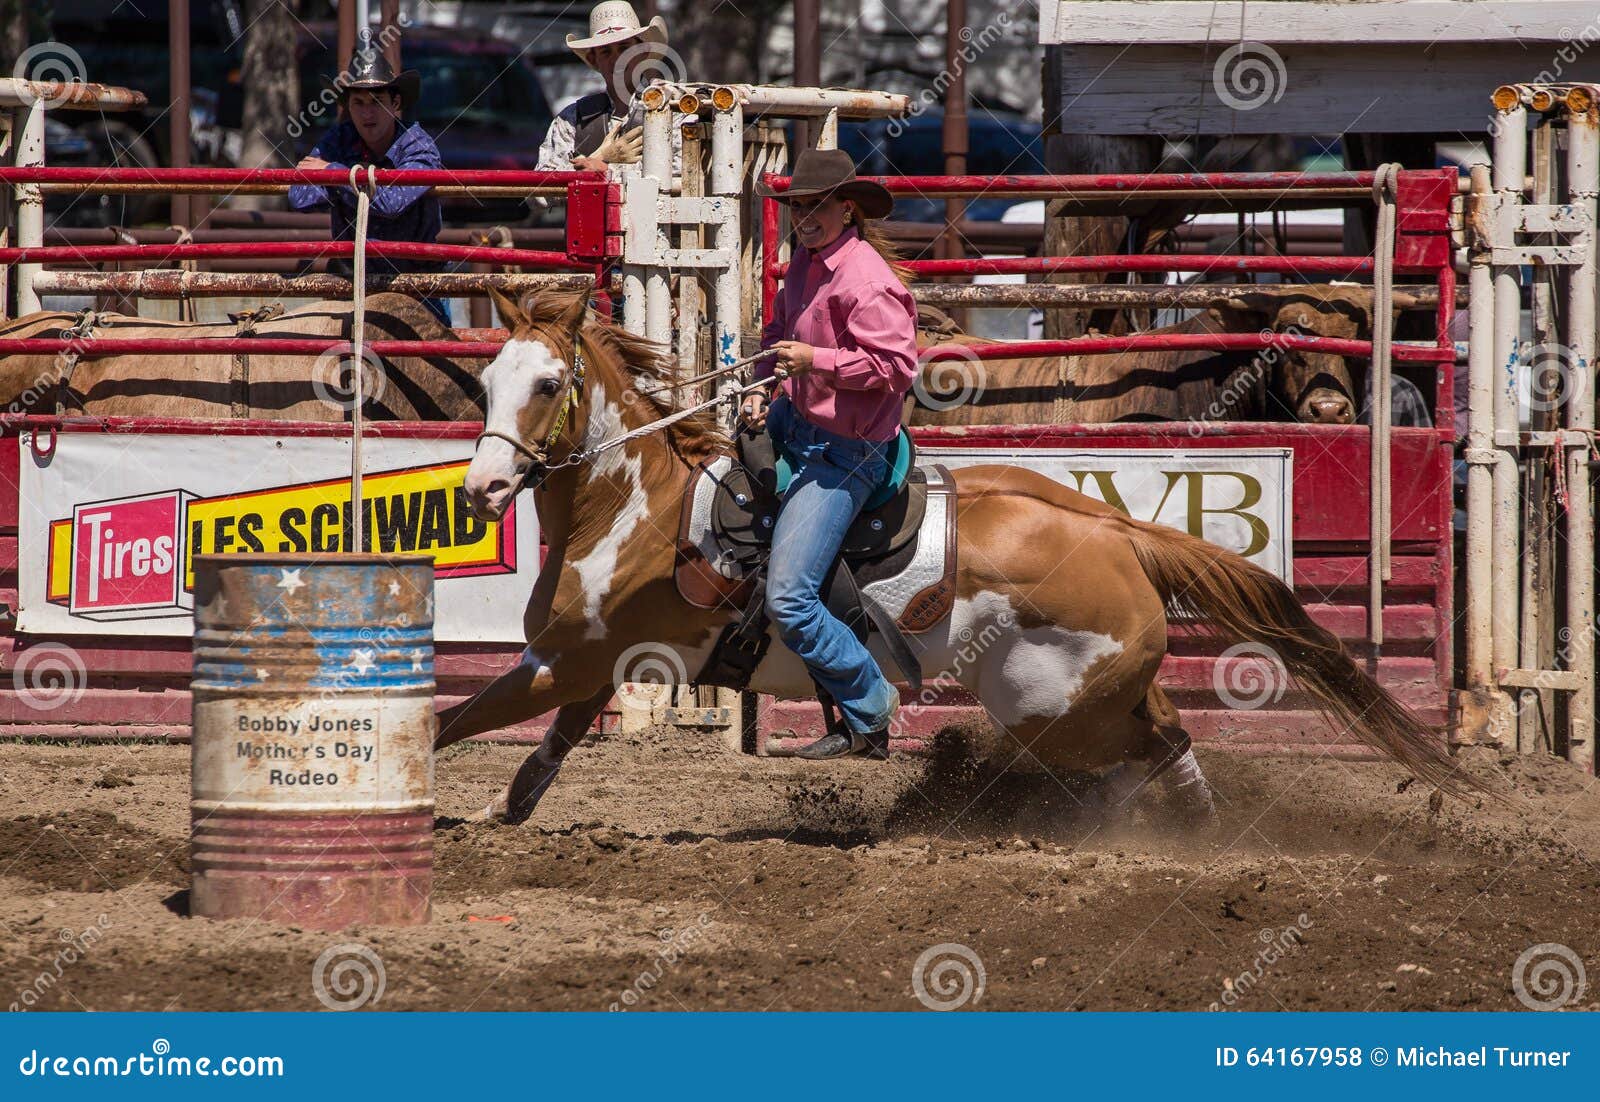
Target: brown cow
pixel 269 387
pixel 1273 384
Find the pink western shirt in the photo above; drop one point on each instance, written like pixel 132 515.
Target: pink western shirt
pixel 846 303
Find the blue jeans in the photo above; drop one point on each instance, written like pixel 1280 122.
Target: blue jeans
pixel 834 477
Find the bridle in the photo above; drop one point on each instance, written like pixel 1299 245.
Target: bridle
pixel 540 466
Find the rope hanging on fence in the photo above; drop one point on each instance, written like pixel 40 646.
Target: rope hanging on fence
pixel 80 332
pixel 1062 406
pixel 1380 528
pixel 364 193
pixel 186 306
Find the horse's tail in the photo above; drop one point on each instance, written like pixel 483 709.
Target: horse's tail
pixel 1236 602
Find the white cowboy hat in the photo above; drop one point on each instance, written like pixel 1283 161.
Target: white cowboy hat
pixel 613 23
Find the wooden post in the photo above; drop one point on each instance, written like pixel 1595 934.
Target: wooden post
pixel 347 34
pixel 1072 235
pixel 1540 579
pixel 691 235
pixel 955 134
pixel 389 17
pixel 807 59
pixel 178 92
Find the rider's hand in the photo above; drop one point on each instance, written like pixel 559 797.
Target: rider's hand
pixel 311 163
pixel 792 357
pixel 754 408
pixel 622 147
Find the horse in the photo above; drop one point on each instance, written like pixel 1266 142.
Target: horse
pixel 1058 625
pixel 219 385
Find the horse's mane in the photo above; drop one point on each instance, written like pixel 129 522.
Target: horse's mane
pixel 651 367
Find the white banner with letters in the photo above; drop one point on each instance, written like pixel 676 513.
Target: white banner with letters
pixel 110 524
pixel 1238 498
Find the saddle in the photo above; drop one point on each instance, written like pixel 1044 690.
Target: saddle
pixel 745 509
pixel 895 572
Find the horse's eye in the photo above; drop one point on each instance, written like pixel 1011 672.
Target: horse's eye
pixel 548 387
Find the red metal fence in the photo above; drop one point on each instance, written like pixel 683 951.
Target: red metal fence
pixel 139 687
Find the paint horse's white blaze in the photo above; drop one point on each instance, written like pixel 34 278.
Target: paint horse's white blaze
pixel 510 384
pixel 597 568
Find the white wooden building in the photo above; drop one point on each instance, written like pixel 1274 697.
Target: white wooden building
pixel 1224 67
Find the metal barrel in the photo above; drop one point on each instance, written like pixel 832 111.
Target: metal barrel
pixel 312 757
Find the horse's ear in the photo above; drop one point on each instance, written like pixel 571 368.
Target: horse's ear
pixel 572 317
pixel 511 311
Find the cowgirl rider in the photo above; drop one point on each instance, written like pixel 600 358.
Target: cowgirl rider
pixel 843 330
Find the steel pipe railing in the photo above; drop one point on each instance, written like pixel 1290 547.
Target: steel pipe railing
pixel 1104 185
pixel 179 283
pixel 1179 342
pixel 1165 262
pixel 93 347
pixel 208 180
pixel 262 250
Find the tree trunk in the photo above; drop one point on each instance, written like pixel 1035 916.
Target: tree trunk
pixel 718 44
pixel 272 95
pixel 13 34
pixel 1068 235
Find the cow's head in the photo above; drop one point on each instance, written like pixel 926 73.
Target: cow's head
pixel 1314 386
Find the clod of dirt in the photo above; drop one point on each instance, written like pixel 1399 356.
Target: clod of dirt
pixel 113 778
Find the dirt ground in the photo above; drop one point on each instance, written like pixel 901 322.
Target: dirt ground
pixel 666 872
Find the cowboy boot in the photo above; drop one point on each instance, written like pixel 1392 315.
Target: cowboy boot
pixel 842 744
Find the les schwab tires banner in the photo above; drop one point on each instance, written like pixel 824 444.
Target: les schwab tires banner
pixel 109 526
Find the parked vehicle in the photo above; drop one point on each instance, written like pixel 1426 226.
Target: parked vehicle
pixel 482 99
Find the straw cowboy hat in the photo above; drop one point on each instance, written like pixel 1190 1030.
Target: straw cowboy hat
pixel 370 71
pixel 825 171
pixel 615 23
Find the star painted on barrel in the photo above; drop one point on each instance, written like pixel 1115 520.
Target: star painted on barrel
pixel 416 659
pixel 262 673
pixel 363 662
pixel 394 589
pixel 291 580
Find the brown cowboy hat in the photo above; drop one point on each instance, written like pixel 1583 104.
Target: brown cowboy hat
pixel 831 171
pixel 370 71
